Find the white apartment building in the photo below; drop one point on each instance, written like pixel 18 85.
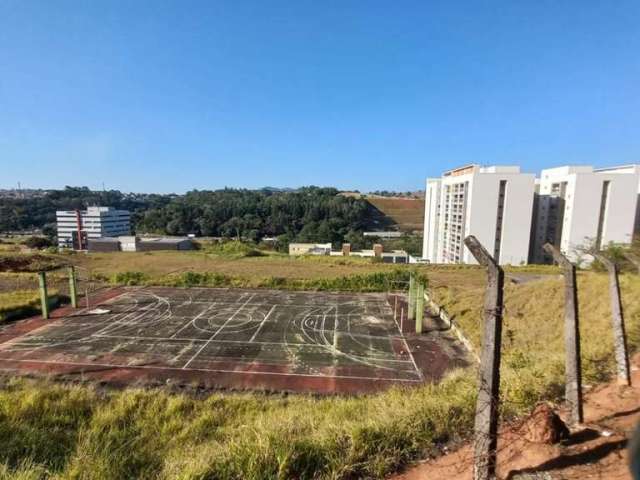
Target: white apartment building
pixel 579 206
pixel 492 203
pixel 76 227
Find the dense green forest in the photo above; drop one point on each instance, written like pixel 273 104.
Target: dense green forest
pixel 306 214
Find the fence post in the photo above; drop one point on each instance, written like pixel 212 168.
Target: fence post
pixel 419 306
pixel 44 298
pixel 486 419
pixel 617 319
pixel 72 287
pixel 572 366
pixel 411 307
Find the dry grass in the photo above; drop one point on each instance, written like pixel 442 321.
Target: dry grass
pixel 408 213
pixel 533 348
pixel 163 263
pixel 77 432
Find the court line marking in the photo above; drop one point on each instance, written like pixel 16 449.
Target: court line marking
pixel 406 344
pixel 220 370
pixel 186 365
pixel 253 337
pixel 193 319
pixel 152 308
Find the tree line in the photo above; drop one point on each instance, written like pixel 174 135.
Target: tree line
pixel 308 214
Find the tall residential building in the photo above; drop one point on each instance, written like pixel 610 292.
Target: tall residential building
pixel 492 203
pixel 76 227
pixel 579 207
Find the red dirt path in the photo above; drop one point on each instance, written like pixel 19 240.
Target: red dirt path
pixel 610 409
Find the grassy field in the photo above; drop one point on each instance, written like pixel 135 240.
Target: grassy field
pixel 407 213
pixel 53 430
pixel 23 303
pixel 533 348
pixel 163 263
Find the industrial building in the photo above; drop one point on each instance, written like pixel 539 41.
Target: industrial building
pixel 77 227
pixel 493 203
pixel 309 248
pixel 578 207
pixel 394 256
pixel 137 244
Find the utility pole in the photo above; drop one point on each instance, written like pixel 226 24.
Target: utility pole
pixel 486 418
pixel 572 365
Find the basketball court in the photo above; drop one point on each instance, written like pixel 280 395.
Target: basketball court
pixel 225 338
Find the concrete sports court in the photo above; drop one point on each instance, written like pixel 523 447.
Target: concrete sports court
pixel 229 338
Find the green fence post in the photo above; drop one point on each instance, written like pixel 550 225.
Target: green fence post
pixel 411 311
pixel 419 306
pixel 44 298
pixel 72 287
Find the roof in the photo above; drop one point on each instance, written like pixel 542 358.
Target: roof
pixel 104 240
pixel 165 240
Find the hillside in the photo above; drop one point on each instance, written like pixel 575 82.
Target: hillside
pixel 406 214
pixel 83 431
pixel 598 450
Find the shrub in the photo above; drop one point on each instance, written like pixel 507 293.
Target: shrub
pixel 130 278
pixel 38 242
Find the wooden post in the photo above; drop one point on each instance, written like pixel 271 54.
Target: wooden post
pixel 72 287
pixel 411 308
pixel 486 419
pixel 44 297
pixel 617 319
pixel 572 365
pixel 419 306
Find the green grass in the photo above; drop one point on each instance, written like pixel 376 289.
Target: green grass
pixel 23 303
pixel 78 432
pixel 369 282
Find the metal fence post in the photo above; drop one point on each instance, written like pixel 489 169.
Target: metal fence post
pixel 572 365
pixel 411 308
pixel 44 298
pixel 486 418
pixel 72 287
pixel 617 319
pixel 419 306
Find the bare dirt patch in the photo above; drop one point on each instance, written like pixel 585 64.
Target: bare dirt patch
pixel 596 450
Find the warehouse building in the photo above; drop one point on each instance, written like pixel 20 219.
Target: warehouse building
pixel 137 244
pixel 309 248
pixel 76 227
pixel 492 203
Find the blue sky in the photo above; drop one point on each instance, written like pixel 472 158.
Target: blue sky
pixel 169 96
